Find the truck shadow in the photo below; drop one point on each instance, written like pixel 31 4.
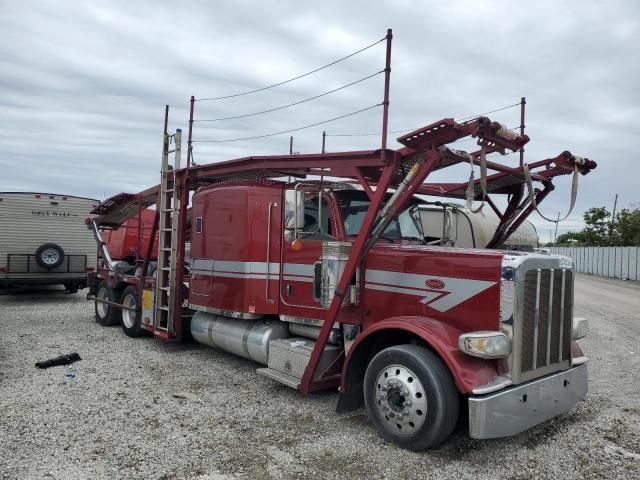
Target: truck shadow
pixel 35 290
pixel 39 293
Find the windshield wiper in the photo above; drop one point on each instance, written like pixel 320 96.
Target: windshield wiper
pixel 387 238
pixel 421 240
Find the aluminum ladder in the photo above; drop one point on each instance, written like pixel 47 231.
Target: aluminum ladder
pixel 168 208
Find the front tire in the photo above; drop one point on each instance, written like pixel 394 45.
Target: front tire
pixel 131 324
pixel 411 397
pixel 107 315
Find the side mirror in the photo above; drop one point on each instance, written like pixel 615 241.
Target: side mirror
pixel 450 227
pixel 293 209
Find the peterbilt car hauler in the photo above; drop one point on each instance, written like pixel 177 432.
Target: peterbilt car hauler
pixel 330 287
pixel 44 241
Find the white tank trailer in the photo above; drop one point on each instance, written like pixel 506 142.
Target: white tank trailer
pixel 457 226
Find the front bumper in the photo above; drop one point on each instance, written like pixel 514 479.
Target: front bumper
pixel 516 409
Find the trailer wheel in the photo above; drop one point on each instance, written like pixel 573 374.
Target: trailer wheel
pixel 131 324
pixel 107 315
pixel 49 256
pixel 411 397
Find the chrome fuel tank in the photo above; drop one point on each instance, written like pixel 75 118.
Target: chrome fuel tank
pixel 246 338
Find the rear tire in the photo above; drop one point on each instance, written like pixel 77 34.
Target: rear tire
pixel 131 321
pixel 411 397
pixel 107 315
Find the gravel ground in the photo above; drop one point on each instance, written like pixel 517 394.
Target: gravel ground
pixel 138 408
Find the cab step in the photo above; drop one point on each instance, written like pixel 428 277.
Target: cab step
pixel 288 359
pixel 285 379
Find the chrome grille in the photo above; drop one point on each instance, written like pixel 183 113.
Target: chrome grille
pixel 545 322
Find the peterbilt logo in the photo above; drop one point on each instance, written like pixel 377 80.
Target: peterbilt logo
pixel 435 283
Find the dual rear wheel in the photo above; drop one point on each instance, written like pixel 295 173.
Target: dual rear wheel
pixel 107 315
pixel 131 319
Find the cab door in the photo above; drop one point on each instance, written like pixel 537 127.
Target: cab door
pixel 299 286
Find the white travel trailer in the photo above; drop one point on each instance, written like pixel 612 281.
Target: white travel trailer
pixel 457 226
pixel 44 240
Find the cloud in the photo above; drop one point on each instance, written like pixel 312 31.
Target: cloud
pixel 83 86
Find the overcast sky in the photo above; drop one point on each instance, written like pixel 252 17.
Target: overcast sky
pixel 83 84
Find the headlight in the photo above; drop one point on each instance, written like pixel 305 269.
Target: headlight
pixel 580 328
pixel 485 344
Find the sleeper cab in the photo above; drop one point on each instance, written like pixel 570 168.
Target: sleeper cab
pixel 235 249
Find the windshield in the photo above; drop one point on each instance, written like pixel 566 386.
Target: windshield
pixel 354 206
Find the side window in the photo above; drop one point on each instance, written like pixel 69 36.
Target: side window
pixel 318 224
pixel 353 213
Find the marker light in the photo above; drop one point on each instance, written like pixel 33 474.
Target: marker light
pixel 580 328
pixel 485 344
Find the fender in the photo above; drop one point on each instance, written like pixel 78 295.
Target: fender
pixel 468 372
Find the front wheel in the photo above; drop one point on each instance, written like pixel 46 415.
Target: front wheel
pixel 131 324
pixel 411 397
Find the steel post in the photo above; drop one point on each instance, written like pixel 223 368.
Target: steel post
pixel 387 78
pixel 189 140
pixel 523 102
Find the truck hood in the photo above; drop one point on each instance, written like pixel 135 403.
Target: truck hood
pixel 457 285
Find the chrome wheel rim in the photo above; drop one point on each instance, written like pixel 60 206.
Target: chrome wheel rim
pixel 102 308
pixel 50 256
pixel 400 399
pixel 128 316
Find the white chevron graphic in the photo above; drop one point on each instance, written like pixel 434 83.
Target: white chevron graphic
pixel 454 292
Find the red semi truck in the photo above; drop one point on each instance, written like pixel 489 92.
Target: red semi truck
pixel 328 286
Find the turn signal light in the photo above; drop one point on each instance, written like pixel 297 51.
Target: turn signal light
pixel 296 245
pixel 485 344
pixel 580 328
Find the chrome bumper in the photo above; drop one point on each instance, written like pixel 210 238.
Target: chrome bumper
pixel 515 409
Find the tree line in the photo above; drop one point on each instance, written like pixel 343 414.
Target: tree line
pixel 601 230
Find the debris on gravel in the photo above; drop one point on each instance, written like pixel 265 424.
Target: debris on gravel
pixel 140 408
